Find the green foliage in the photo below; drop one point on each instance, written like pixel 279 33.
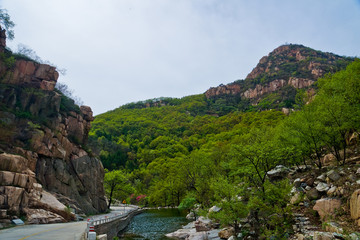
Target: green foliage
pixel 272 209
pixel 8 59
pixel 6 22
pixel 116 185
pixel 67 105
pixel 229 196
pixel 329 119
pixel 187 203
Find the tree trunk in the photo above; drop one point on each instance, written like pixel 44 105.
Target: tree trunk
pixel 110 198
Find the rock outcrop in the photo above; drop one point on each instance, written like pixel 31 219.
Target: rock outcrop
pixel 44 165
pixel 288 66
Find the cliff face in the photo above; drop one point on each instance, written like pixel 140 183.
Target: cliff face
pixel 291 66
pixel 43 163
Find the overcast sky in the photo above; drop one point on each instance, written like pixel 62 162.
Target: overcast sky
pixel 121 51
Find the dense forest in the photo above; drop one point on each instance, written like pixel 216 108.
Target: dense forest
pixel 171 152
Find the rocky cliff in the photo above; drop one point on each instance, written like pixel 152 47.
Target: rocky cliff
pixel 287 68
pixel 44 165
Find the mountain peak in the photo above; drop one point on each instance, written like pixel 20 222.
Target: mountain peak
pixel 294 54
pixel 286 68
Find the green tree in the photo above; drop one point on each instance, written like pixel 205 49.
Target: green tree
pixel 116 185
pixel 338 104
pixel 188 204
pixel 7 23
pixel 229 197
pixel 270 216
pixel 255 154
pixel 304 131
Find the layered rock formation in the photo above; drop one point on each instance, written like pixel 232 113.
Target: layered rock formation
pixel 293 66
pixel 43 134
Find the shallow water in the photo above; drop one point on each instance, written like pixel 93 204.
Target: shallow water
pixel 154 224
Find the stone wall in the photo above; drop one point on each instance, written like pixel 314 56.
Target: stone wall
pixel 114 227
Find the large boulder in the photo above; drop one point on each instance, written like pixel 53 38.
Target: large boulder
pixel 36 216
pixel 278 172
pixel 203 224
pixel 355 206
pixel 210 235
pixel 181 233
pixel 326 207
pixel 82 181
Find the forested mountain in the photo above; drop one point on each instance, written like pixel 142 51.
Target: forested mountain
pixel 212 148
pixel 122 134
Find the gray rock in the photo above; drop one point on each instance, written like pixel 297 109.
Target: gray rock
pixel 203 224
pixel 322 187
pixel 333 175
pixel 278 172
pixel 322 177
pixel 313 194
pixel 198 236
pixel 214 209
pixel 190 216
pixel 354 236
pixel 214 234
pixel 210 235
pixel 189 225
pixel 338 235
pixel 322 236
pixel 181 233
pixel 331 191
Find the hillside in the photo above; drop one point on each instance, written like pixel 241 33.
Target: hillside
pixel 44 164
pixel 221 147
pixel 273 84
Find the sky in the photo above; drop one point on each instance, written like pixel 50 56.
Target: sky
pixel 121 51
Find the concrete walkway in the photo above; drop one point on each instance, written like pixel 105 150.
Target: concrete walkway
pixel 63 231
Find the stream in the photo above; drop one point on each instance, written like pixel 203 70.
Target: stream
pixel 154 224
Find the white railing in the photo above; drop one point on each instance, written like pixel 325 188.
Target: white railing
pixel 106 219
